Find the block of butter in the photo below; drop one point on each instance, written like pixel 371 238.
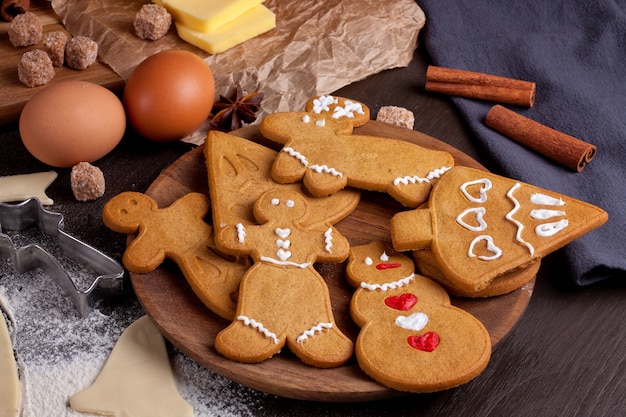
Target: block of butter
pixel 252 23
pixel 206 15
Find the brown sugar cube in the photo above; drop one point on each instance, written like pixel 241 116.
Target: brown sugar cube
pixel 35 68
pixel 87 181
pixel 80 52
pixel 54 44
pixel 25 29
pixel 398 116
pixel 152 22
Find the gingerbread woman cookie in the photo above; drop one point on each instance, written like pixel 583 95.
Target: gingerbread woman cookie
pixel 282 299
pixel 179 233
pixel 323 152
pixel 478 226
pixel 411 337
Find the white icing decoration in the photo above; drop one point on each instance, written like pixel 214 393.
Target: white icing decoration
pixel 434 174
pixel 328 238
pixel 389 285
pixel 284 244
pixel 284 263
pixel 306 118
pixel 241 232
pixel 497 252
pixel 296 154
pixel 368 261
pixel 546 200
pixel 348 110
pixel 275 201
pixel 482 192
pixel 282 233
pixel 414 322
pixel 520 226
pixel 290 203
pixel 283 255
pixel 384 257
pixel 326 169
pixel 315 329
pixel 550 229
pixel 480 213
pixel 320 123
pixel 543 214
pixel 258 326
pixel 322 103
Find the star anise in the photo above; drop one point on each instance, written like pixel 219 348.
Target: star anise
pixel 233 111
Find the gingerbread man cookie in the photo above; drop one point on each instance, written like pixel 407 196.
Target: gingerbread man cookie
pixel 411 337
pixel 478 226
pixel 323 152
pixel 179 233
pixel 282 299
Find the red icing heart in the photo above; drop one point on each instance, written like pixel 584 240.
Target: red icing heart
pixel 427 342
pixel 402 302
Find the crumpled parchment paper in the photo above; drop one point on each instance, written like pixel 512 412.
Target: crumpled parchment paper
pixel 317 46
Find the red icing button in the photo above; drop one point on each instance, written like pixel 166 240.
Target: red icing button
pixel 427 342
pixel 402 302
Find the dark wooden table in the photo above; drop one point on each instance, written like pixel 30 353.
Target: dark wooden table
pixel 565 357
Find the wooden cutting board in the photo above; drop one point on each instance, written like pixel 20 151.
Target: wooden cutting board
pixel 14 94
pixel 191 327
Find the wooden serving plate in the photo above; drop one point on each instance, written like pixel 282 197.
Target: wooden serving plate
pixel 191 327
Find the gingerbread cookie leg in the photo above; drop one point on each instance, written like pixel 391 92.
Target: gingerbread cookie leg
pixel 306 326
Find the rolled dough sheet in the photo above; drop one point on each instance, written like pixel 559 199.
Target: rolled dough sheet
pixel 10 396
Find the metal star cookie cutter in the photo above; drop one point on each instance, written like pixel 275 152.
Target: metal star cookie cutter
pixel 19 217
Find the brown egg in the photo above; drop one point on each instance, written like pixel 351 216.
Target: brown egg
pixel 70 122
pixel 169 95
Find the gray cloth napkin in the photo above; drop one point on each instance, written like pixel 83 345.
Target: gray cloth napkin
pixel 575 51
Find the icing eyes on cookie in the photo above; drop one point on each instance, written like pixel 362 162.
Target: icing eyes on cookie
pixel 368 261
pixel 289 203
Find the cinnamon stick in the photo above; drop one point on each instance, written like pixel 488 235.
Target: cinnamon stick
pixel 11 8
pixel 558 146
pixel 480 86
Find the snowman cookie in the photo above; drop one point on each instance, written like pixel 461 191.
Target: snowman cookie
pixel 411 338
pixel 283 301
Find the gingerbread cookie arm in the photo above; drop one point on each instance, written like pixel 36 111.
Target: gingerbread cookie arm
pixel 336 246
pixel 238 240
